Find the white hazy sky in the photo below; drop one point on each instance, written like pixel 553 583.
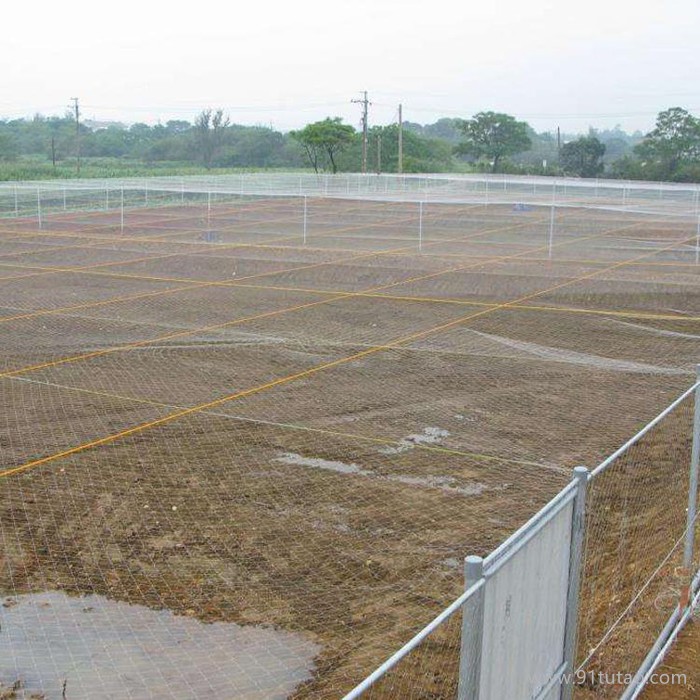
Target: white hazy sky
pixel 550 62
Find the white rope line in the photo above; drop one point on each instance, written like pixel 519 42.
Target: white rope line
pixel 634 600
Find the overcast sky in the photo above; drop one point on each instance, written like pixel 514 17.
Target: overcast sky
pixel 573 64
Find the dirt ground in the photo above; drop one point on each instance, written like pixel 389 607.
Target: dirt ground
pixel 678 677
pixel 214 417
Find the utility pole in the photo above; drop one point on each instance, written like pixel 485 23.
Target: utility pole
pixel 399 168
pixel 365 105
pixel 379 154
pixel 558 142
pixel 76 108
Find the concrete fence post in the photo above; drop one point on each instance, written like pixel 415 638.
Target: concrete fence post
pixel 472 632
pixel 689 551
pixel 578 531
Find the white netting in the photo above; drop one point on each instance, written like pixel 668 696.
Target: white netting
pixel 242 401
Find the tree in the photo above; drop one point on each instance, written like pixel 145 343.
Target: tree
pixel 420 154
pixel 323 141
pixel 493 136
pixel 582 157
pixel 177 126
pixel 8 148
pixel 674 142
pixel 209 130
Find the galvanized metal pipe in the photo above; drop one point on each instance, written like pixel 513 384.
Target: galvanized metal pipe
pixel 609 460
pixel 407 648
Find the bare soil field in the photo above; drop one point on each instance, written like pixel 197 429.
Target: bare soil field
pixel 209 413
pixel 678 677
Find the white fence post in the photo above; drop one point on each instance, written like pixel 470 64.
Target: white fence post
pixel 472 632
pixel 16 202
pixel 121 214
pixel 551 218
pixel 692 493
pixel 578 529
pixel 38 206
pixel 305 217
pixel 420 225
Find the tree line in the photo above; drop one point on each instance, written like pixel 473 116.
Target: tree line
pixel 488 141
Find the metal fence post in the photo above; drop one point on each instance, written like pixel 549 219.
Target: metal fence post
pixel 692 493
pixel 420 225
pixel 305 218
pixel 472 633
pixel 551 219
pixel 578 530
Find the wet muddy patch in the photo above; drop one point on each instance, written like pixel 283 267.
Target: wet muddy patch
pixel 53 645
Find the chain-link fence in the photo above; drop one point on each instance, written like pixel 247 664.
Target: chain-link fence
pixel 619 578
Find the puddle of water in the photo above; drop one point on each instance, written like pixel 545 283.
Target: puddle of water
pixel 443 483
pixel 320 463
pixel 106 649
pixel 429 436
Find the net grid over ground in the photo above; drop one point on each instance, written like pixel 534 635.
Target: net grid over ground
pixel 295 410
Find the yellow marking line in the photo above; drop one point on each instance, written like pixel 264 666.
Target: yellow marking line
pixel 228 246
pixel 92 267
pixel 643 315
pixel 162 219
pixel 206 329
pixel 190 284
pixel 239 282
pixel 104 241
pixel 120 238
pixel 281 380
pixel 294 426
